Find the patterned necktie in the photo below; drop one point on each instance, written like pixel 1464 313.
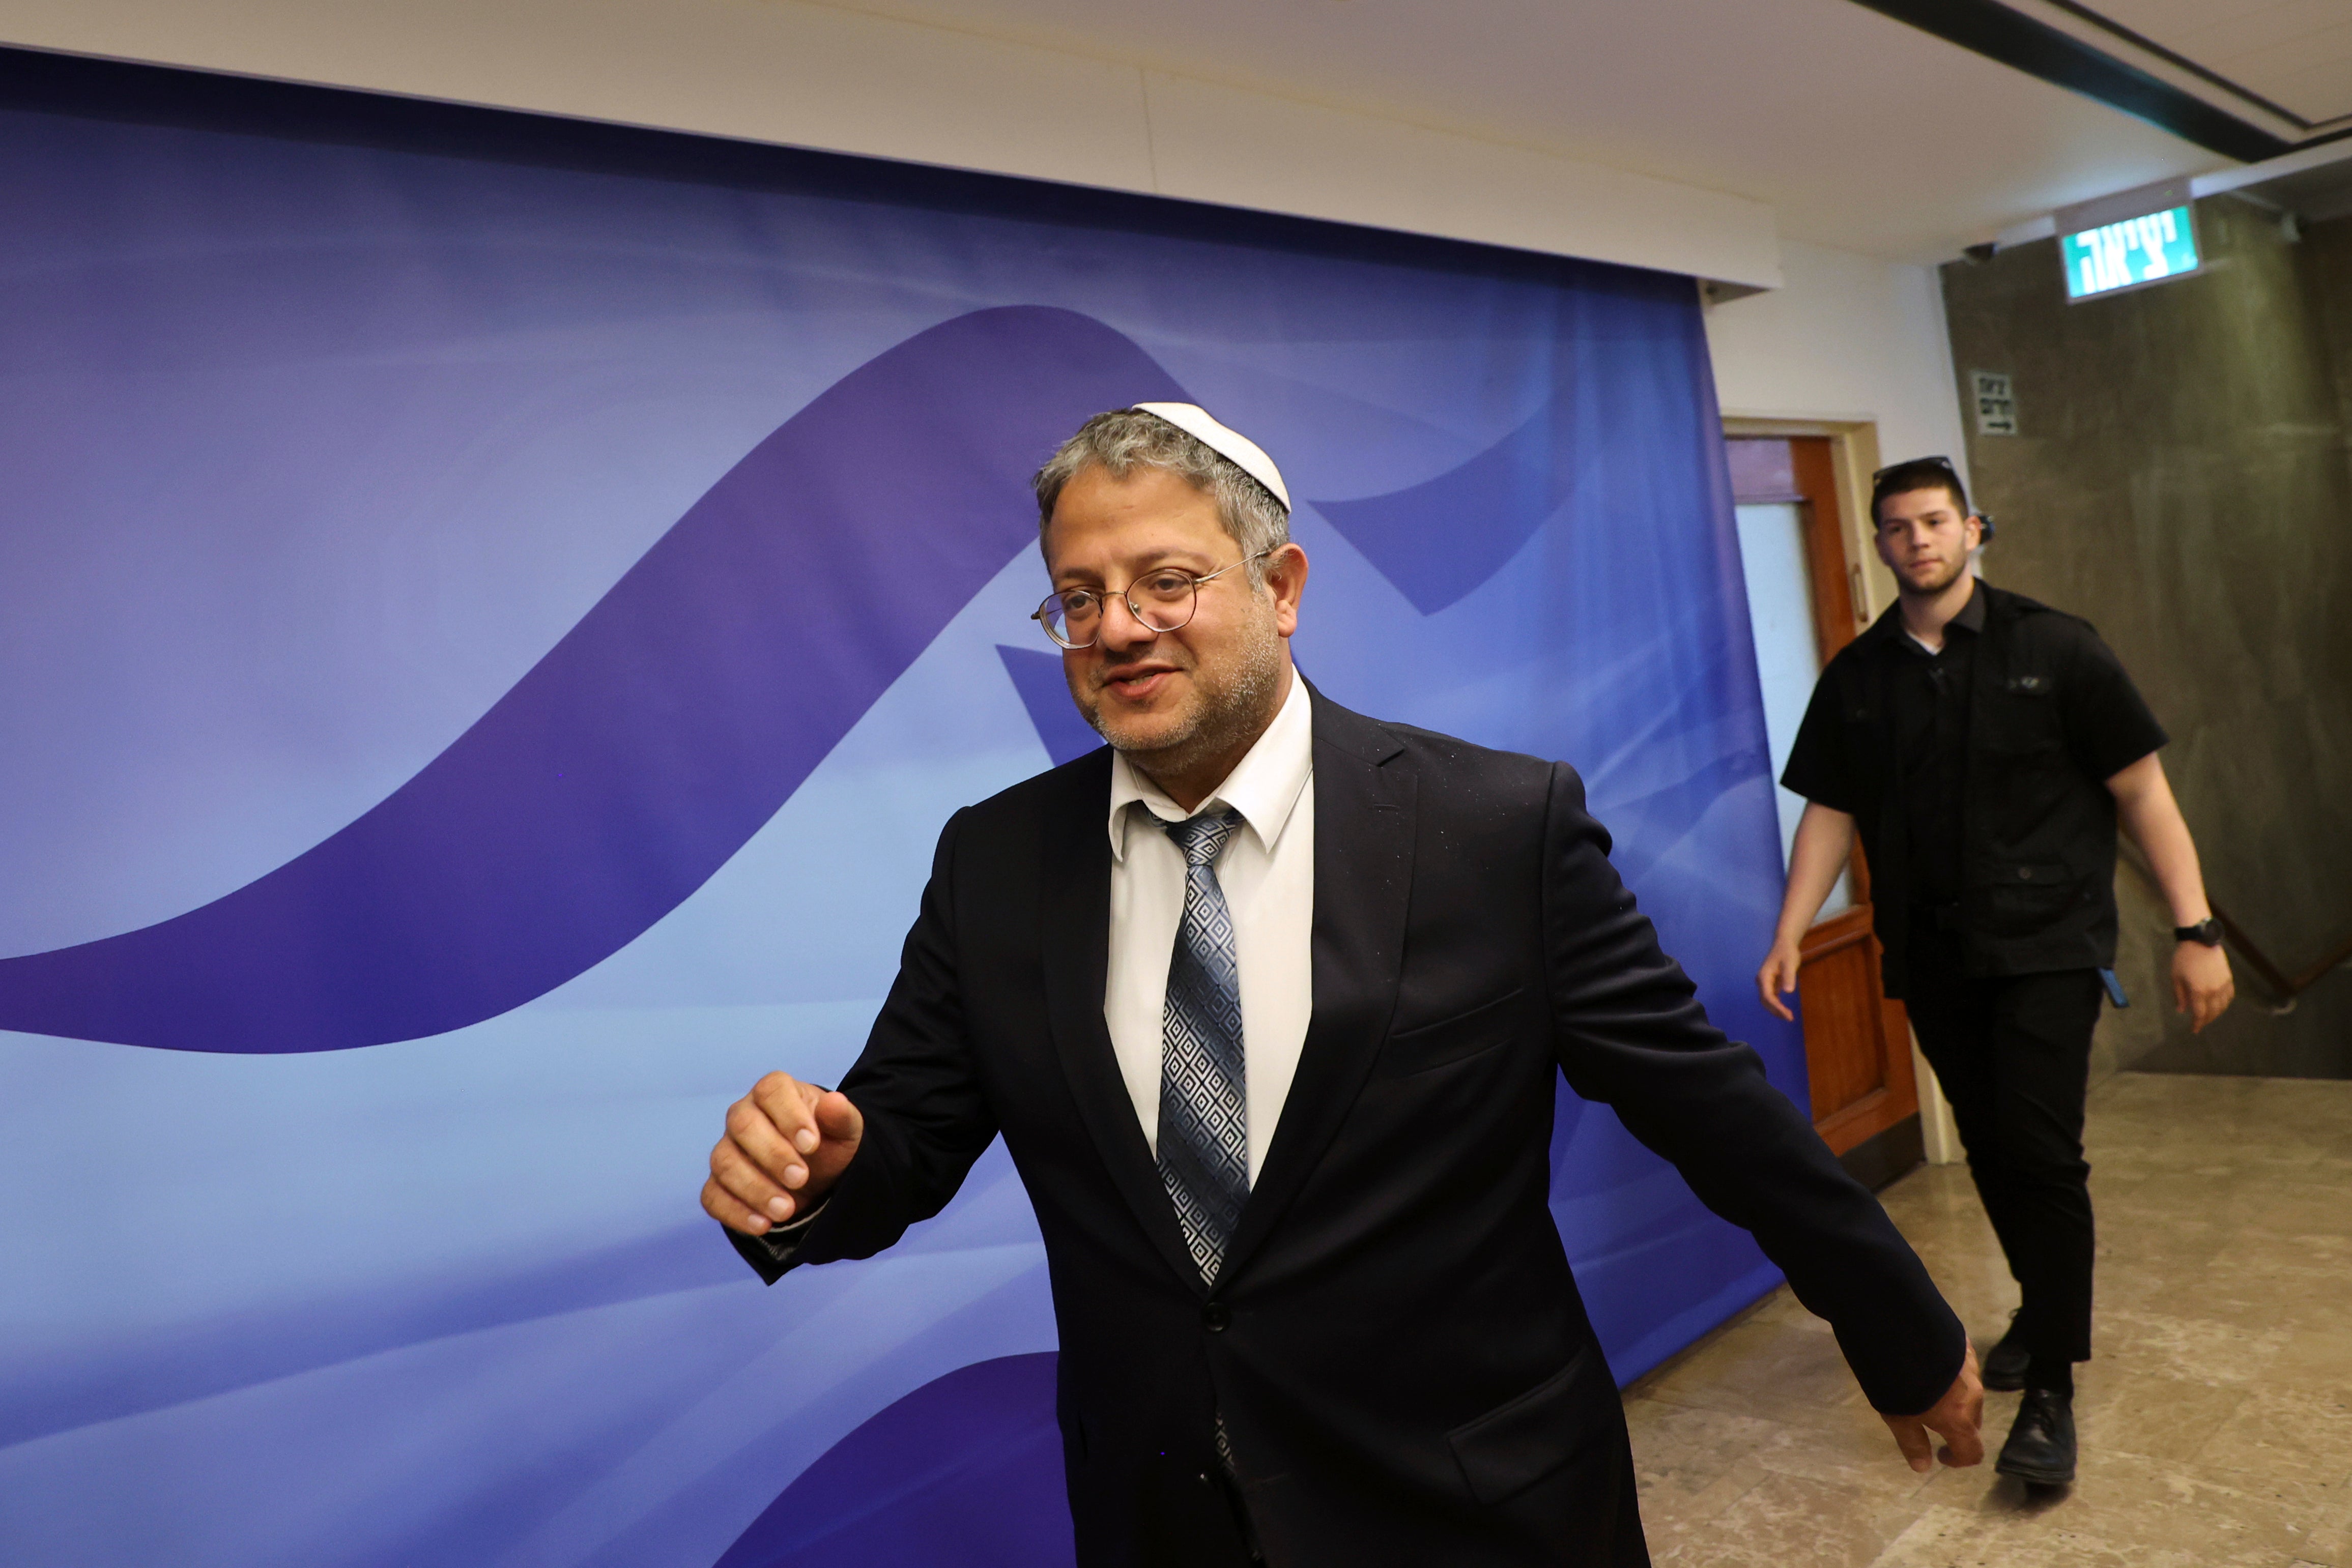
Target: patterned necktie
pixel 1203 1097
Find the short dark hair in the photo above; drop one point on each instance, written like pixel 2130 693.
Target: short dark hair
pixel 1126 439
pixel 1917 474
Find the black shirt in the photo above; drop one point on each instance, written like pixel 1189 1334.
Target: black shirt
pixel 1977 778
pixel 1929 695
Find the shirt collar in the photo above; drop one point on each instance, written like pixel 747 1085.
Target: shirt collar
pixel 1970 618
pixel 1971 615
pixel 1263 786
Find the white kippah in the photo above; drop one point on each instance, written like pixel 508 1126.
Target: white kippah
pixel 1248 454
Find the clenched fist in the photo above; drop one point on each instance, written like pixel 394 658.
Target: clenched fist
pixel 787 1143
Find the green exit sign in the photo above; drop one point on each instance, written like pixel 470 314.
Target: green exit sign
pixel 2128 254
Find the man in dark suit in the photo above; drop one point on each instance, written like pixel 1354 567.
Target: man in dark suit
pixel 1266 999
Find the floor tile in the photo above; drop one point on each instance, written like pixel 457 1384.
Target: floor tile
pixel 2215 1418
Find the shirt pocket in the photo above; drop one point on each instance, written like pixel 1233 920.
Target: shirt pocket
pixel 2027 898
pixel 1451 1040
pixel 2020 717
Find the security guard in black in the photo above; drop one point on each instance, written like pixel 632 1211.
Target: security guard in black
pixel 1977 776
pixel 1977 779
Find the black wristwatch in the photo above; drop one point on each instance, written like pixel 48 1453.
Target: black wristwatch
pixel 2207 931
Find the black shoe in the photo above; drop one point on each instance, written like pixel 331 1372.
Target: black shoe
pixel 2040 1446
pixel 2004 1364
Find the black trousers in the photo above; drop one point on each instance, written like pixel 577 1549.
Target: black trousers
pixel 2014 1055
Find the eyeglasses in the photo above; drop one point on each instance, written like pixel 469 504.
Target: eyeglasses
pixel 1162 601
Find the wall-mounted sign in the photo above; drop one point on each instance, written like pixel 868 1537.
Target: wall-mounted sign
pixel 2127 254
pixel 1996 405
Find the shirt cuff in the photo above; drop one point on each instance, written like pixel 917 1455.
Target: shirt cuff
pixel 784 1240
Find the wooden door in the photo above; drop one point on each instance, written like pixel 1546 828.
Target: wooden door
pixel 1865 1101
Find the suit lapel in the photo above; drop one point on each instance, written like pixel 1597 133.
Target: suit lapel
pixel 1364 823
pixel 1075 944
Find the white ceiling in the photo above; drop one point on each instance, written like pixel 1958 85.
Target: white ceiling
pixel 2296 54
pixel 1863 132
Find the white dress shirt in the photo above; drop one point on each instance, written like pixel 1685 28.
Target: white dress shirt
pixel 1267 871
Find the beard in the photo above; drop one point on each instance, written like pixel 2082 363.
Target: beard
pixel 1229 705
pixel 1928 588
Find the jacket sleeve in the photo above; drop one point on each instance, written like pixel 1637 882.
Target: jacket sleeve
pixel 1630 1032
pixel 927 1116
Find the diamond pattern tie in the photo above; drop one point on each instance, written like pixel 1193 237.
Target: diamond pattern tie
pixel 1203 1096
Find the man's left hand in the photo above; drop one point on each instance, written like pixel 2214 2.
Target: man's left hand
pixel 1954 1417
pixel 2201 986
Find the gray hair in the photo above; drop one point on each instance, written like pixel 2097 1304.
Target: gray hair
pixel 1127 439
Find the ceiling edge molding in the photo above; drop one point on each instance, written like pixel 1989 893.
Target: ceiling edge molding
pixel 2034 47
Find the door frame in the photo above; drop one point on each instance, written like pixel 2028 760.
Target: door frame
pixel 1854 460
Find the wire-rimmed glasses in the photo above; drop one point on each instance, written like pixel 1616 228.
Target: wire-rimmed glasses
pixel 1160 600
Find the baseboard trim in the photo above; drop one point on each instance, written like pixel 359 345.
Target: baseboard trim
pixel 1880 1159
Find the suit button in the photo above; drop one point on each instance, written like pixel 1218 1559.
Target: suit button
pixel 1215 1316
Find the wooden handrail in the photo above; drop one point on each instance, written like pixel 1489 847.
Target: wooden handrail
pixel 2283 987
pixel 2258 961
pixel 2337 956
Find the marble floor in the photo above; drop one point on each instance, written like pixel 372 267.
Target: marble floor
pixel 2216 1419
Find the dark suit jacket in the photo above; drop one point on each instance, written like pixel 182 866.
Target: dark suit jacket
pixel 1404 1368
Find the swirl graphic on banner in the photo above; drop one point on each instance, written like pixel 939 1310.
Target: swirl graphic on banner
pixel 973 1458
pixel 1437 540
pixel 683 710
pixel 652 741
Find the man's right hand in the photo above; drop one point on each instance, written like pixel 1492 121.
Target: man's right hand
pixel 1957 1417
pixel 787 1143
pixel 1778 976
pixel 1822 849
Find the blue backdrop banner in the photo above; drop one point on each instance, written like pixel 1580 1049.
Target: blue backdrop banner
pixel 488 639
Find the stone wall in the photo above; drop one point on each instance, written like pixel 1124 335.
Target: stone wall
pixel 2181 478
